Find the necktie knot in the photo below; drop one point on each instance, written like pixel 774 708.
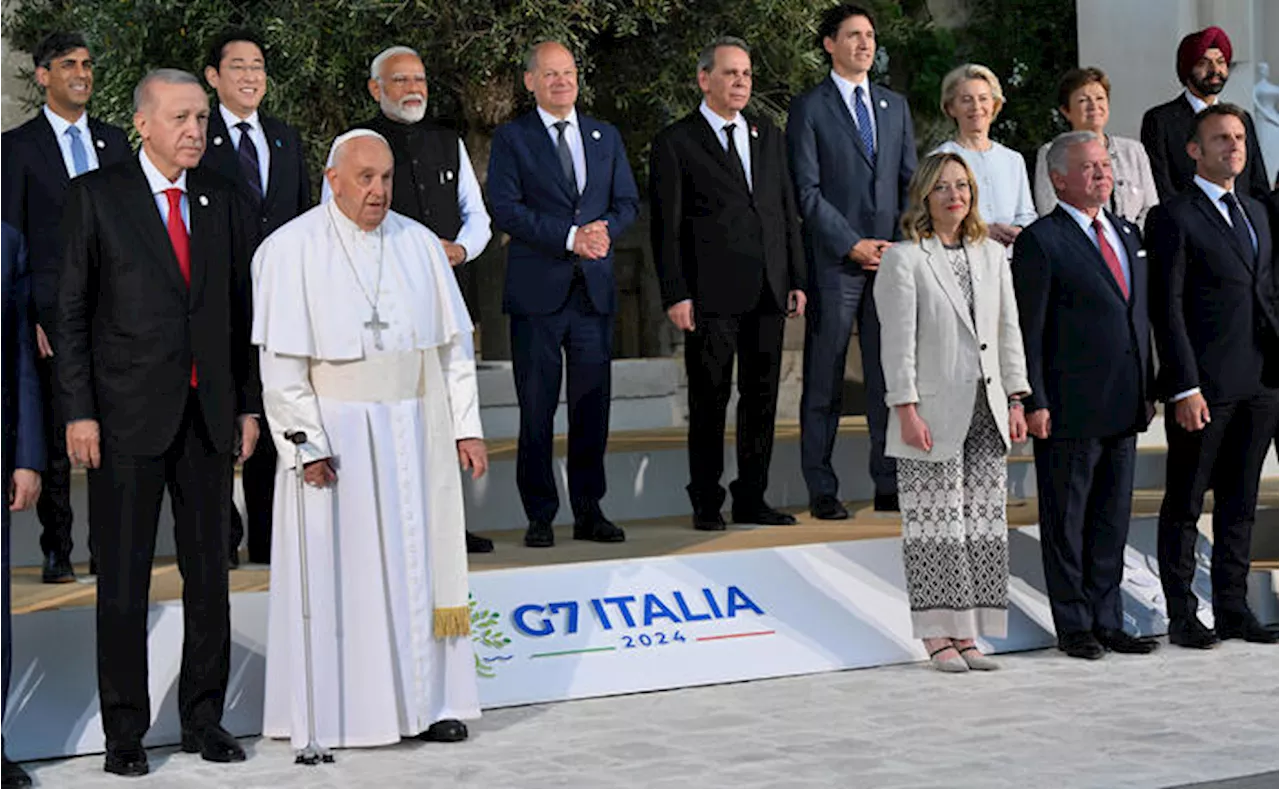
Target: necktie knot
pixel 728 129
pixel 561 126
pixel 74 131
pixel 244 126
pixel 175 199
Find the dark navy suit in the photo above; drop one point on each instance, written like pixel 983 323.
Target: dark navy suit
pixel 844 197
pixel 558 302
pixel 1088 354
pixel 23 417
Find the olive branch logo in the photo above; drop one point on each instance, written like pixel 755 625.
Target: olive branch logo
pixel 485 632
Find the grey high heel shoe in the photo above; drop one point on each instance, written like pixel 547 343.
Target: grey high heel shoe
pixel 953 665
pixel 974 659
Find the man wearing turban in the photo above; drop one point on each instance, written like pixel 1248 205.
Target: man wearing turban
pixel 1203 65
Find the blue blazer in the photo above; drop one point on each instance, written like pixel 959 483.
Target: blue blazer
pixel 1088 349
pixel 531 200
pixel 23 419
pixel 843 195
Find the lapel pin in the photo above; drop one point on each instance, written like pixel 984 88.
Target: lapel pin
pixel 448 175
pixel 100 144
pixel 755 133
pixel 217 141
pixel 278 143
pixel 204 201
pixel 1126 228
pixel 884 105
pixel 595 134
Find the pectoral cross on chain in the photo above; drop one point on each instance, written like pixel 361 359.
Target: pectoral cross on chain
pixel 376 325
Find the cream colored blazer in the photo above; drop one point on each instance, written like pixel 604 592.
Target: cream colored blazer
pixel 934 354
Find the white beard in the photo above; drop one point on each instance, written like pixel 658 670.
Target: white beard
pixel 398 112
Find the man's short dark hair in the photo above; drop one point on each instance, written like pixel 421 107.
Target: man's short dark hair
pixel 214 59
pixel 55 45
pixel 1220 108
pixel 834 17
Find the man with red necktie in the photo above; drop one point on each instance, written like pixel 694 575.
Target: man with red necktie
pixel 1080 275
pixel 159 387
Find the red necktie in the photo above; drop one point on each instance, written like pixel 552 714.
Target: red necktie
pixel 1109 255
pixel 181 247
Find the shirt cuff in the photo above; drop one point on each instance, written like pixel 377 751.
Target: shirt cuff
pixel 573 234
pixel 1184 395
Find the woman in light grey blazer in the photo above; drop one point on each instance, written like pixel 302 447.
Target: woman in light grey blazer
pixel 1084 99
pixel 954 371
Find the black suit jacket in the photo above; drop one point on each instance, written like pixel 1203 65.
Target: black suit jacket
pixel 1165 131
pixel 714 240
pixel 1214 305
pixel 1088 349
pixel 288 187
pixel 128 326
pixel 35 192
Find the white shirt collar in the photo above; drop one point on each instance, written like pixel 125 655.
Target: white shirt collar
pixel 1082 219
pixel 61 124
pixel 717 123
pixel 231 119
pixel 549 121
pixel 1212 190
pixel 1195 101
pixel 846 87
pixel 155 179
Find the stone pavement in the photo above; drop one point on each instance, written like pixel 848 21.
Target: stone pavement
pixel 1177 717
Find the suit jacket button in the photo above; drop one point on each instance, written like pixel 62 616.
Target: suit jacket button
pixel 988 379
pixel 982 347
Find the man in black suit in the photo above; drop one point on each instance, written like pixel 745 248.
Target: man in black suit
pixel 1080 275
pixel 1214 296
pixel 40 158
pixel 434 181
pixel 726 241
pixel 159 385
pixel 1203 65
pixel 264 156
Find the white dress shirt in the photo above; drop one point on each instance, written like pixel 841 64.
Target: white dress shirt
pixel 847 89
pixel 256 134
pixel 60 126
pixel 475 232
pixel 572 136
pixel 1195 101
pixel 741 143
pixel 1108 230
pixel 1215 194
pixel 158 184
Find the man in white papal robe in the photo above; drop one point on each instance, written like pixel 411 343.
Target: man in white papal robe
pixel 365 347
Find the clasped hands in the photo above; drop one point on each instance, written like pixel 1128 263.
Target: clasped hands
pixel 592 240
pixel 472 456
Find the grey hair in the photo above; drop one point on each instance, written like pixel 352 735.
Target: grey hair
pixel 707 57
pixel 169 76
pixel 531 57
pixel 1062 145
pixel 375 68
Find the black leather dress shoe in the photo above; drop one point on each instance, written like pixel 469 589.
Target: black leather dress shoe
pixel 598 528
pixel 1244 626
pixel 478 544
pixel 1125 644
pixel 447 730
pixel 828 508
pixel 1081 645
pixel 130 762
pixel 763 515
pixel 539 535
pixel 1191 633
pixel 708 521
pixel 57 569
pixel 14 776
pixel 213 743
pixel 886 502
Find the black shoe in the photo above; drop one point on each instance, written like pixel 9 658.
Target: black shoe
pixel 57 569
pixel 1191 633
pixel 1081 645
pixel 213 743
pixel 233 560
pixel 14 776
pixel 886 502
pixel 130 762
pixel 828 508
pixel 539 535
pixel 597 528
pixel 448 730
pixel 93 566
pixel 708 521
pixel 478 544
pixel 764 515
pixel 1125 644
pixel 1244 626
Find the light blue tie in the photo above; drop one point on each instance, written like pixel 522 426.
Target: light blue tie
pixel 79 159
pixel 865 130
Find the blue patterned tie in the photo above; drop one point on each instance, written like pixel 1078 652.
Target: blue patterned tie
pixel 248 153
pixel 79 159
pixel 865 130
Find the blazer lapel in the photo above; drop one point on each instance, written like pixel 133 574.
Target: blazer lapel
pixel 52 151
pixel 836 106
pixel 151 229
pixel 593 152
pixel 936 257
pixel 710 140
pixel 753 145
pixel 878 105
pixel 1085 245
pixel 100 143
pixel 276 155
pixel 542 146
pixel 1215 219
pixel 221 153
pixel 201 230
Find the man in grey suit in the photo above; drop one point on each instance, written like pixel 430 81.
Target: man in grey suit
pixel 852 152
